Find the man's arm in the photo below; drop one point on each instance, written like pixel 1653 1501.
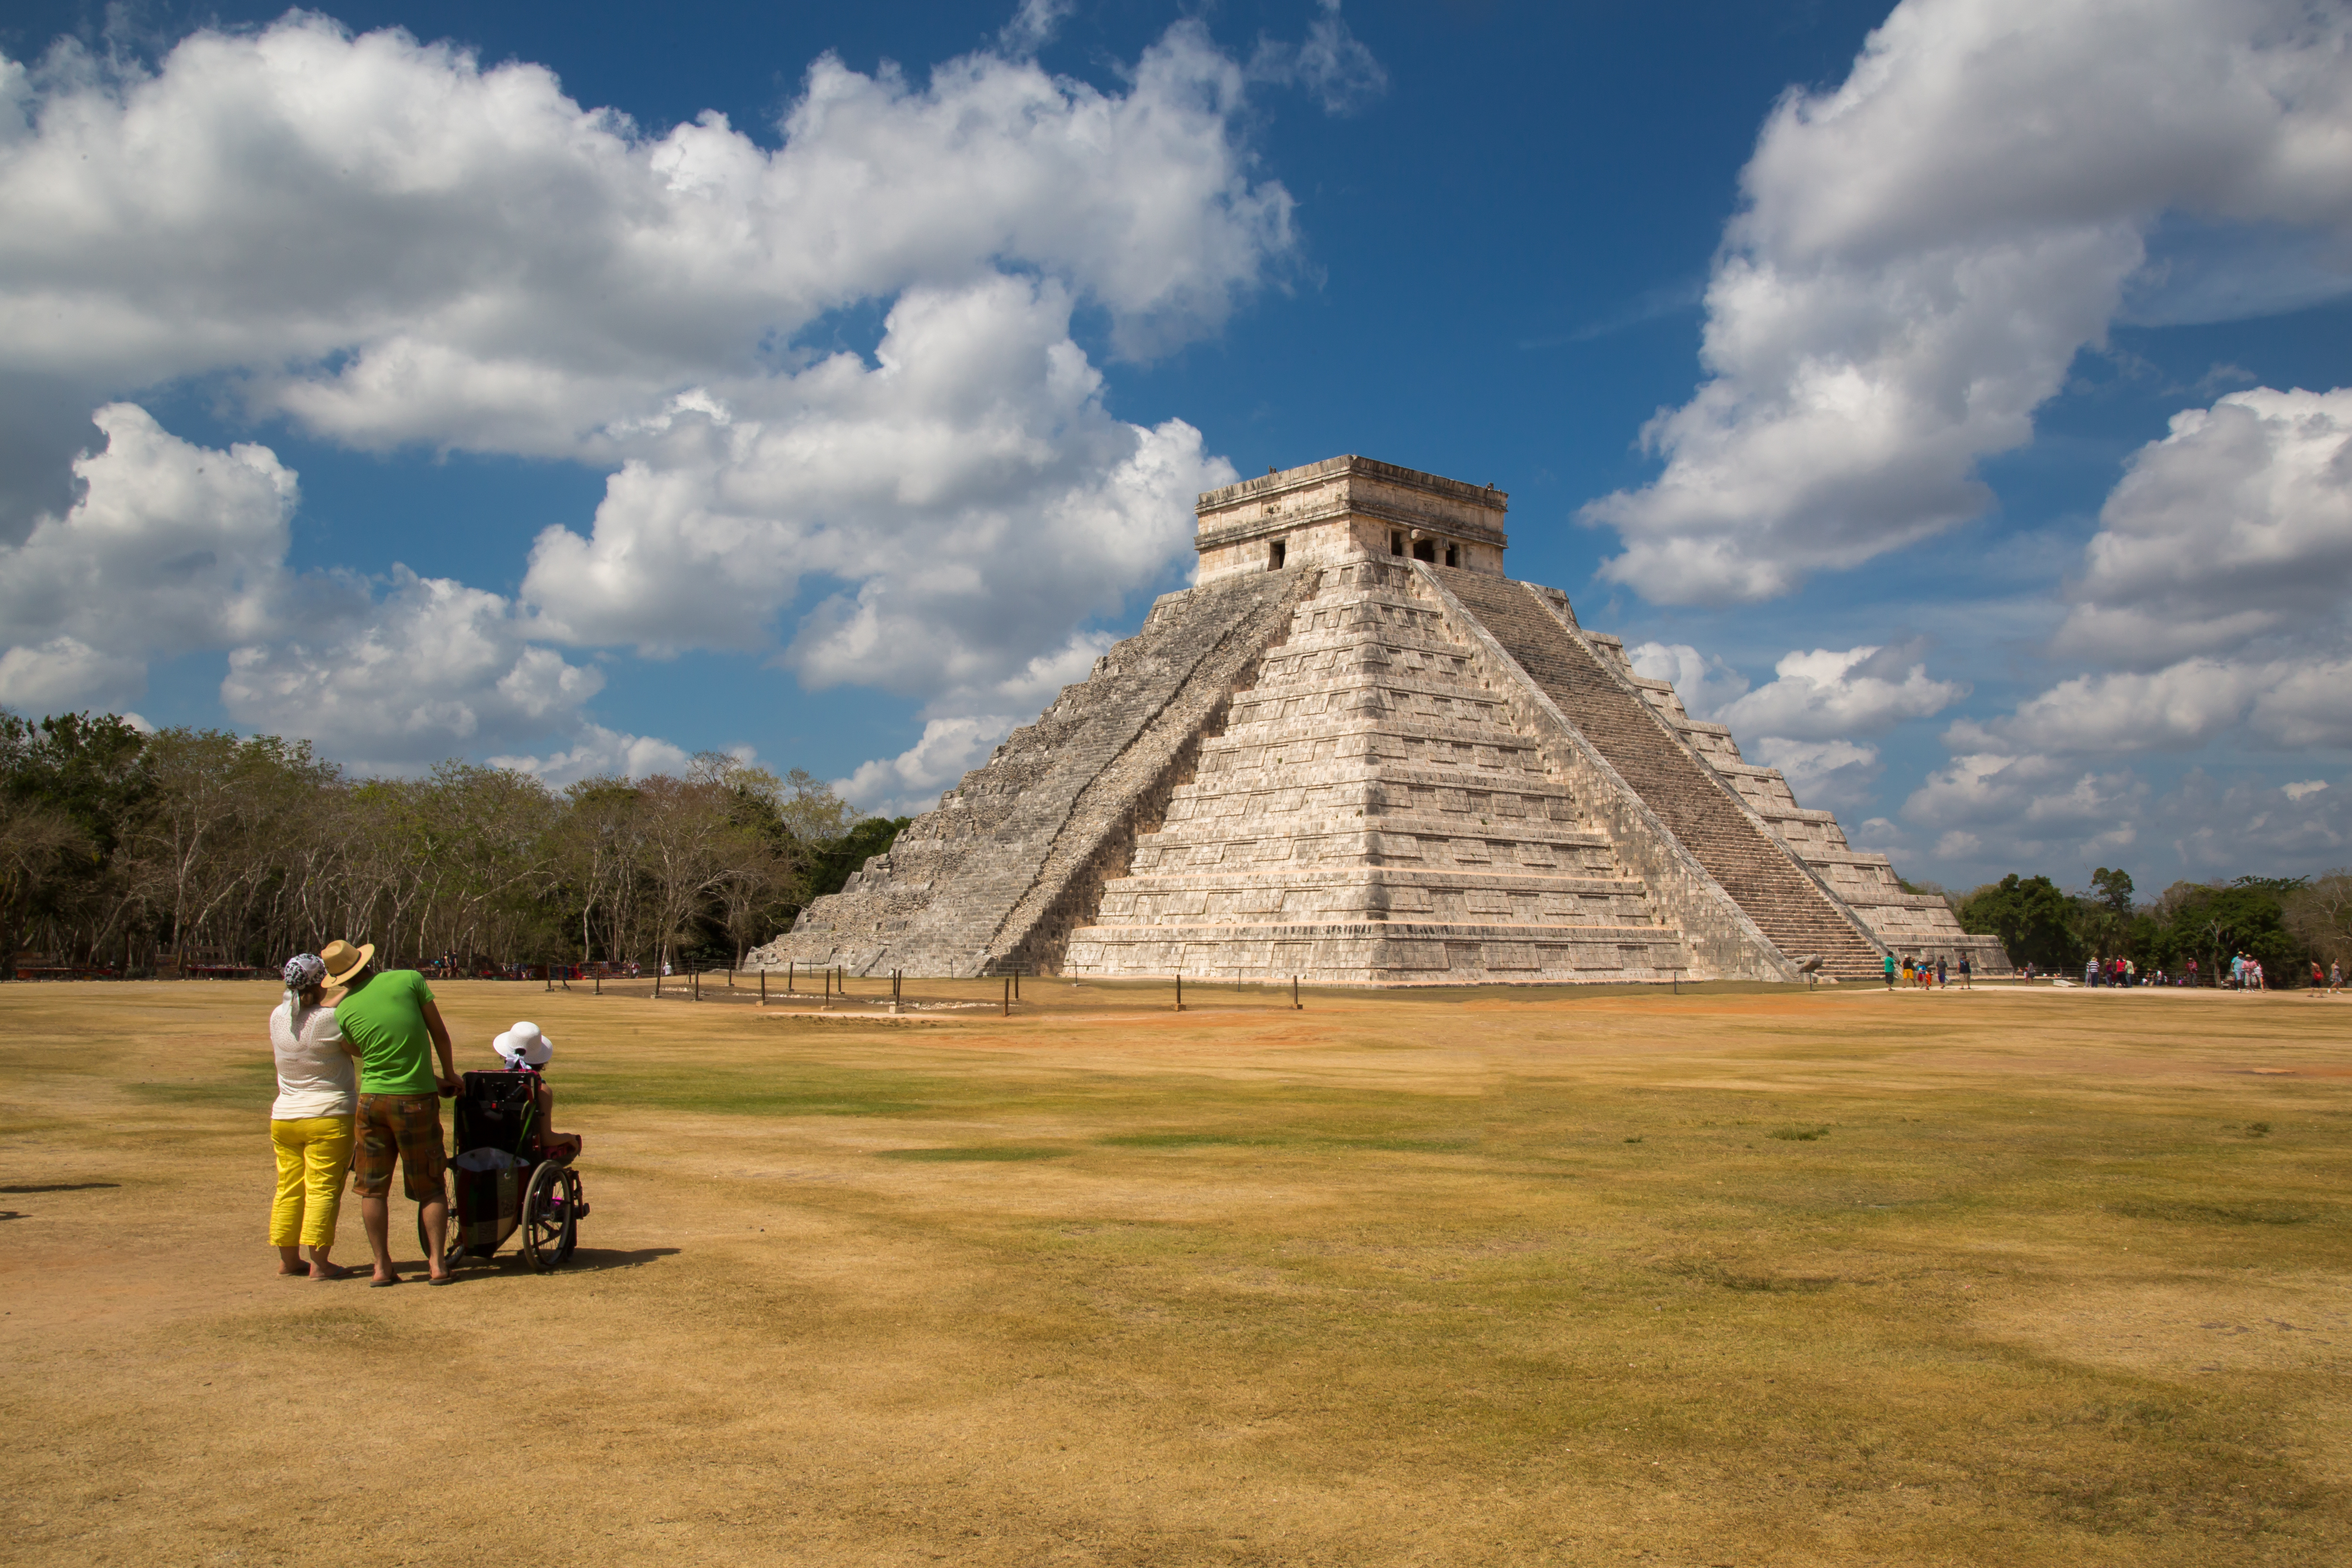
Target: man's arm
pixel 440 1033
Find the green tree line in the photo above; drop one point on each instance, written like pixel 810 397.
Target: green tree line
pixel 122 850
pixel 2285 922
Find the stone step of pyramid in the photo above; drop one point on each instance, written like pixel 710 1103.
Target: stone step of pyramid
pixel 1710 819
pixel 1371 750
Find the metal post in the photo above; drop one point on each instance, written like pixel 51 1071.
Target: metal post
pixel 1008 995
pixel 788 977
pixel 1016 985
pixel 763 988
pixel 1180 993
pixel 657 979
pixel 600 982
pixel 550 977
pixel 1293 994
pixel 694 983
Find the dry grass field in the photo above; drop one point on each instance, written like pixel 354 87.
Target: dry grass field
pixel 1485 1277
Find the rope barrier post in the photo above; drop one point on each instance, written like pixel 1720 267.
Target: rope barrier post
pixel 550 976
pixel 1008 995
pixel 1016 985
pixel 1294 994
pixel 788 977
pixel 694 985
pixel 657 969
pixel 600 982
pixel 1180 993
pixel 763 988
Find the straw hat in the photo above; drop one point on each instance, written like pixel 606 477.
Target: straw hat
pixel 344 961
pixel 524 1045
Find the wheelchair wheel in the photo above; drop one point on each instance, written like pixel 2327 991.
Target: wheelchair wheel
pixel 550 1216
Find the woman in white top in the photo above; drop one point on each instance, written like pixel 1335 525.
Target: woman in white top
pixel 310 1125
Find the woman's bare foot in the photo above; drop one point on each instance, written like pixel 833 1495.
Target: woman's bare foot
pixel 290 1260
pixel 322 1269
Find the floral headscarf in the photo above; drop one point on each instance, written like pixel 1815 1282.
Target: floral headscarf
pixel 303 970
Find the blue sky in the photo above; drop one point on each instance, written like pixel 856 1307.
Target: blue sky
pixel 907 403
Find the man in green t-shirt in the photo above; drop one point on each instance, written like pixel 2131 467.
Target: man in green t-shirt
pixel 390 1016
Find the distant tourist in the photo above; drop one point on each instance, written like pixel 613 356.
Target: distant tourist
pixel 1943 974
pixel 2091 970
pixel 390 1016
pixel 310 1124
pixel 1890 972
pixel 2335 977
pixel 1965 972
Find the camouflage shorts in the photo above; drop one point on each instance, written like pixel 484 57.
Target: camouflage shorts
pixel 408 1126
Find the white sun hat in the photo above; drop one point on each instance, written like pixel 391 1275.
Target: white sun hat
pixel 524 1044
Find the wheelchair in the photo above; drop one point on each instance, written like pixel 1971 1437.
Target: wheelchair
pixel 505 1180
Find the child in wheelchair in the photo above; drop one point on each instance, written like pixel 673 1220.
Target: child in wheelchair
pixel 513 1170
pixel 525 1049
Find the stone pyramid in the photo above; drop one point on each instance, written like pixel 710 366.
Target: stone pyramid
pixel 1358 754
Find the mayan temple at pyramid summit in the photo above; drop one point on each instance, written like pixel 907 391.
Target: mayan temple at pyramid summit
pixel 1355 751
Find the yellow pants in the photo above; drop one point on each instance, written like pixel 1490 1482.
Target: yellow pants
pixel 314 1155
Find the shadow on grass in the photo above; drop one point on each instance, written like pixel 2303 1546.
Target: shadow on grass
pixel 584 1261
pixel 62 1187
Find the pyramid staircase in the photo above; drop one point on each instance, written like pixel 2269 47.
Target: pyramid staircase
pixel 1708 817
pixel 1372 811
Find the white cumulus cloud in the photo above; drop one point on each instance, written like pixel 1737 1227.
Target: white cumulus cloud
pixel 394 246
pixel 1832 694
pixel 969 493
pixel 2234 527
pixel 600 751
pixel 2218 581
pixel 910 782
pixel 397 245
pixel 1822 774
pixel 171 547
pixel 1922 250
pixel 1703 681
pixel 434 668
